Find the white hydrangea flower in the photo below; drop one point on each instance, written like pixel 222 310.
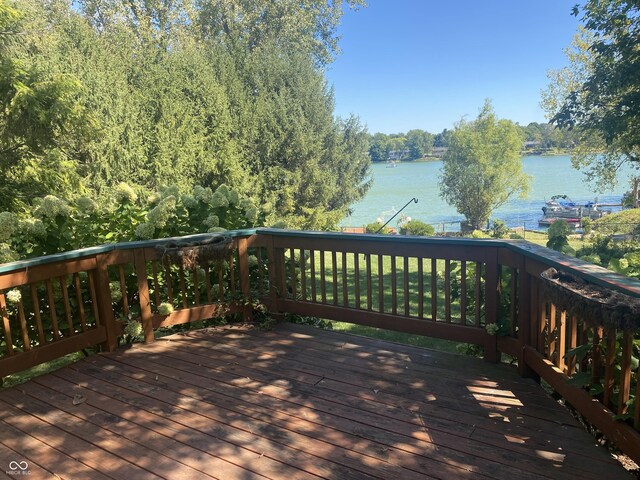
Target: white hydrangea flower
pixel 7 254
pixel 86 205
pixel 219 200
pixel 124 193
pixel 253 261
pixel 212 221
pixel 133 328
pixel 251 214
pixel 170 191
pixel 13 296
pixel 216 230
pixel 165 308
pixel 51 207
pixel 189 201
pixel 223 190
pixel 145 231
pixel 233 197
pixel 204 195
pixel 492 328
pixel 114 290
pixel 161 213
pixel 8 225
pixel 33 227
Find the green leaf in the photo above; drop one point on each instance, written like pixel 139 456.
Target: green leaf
pixel 580 352
pixel 580 379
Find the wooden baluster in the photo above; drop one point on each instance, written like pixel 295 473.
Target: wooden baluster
pixel 207 283
pixel 369 283
pixel 394 286
pixel 513 301
pixel 26 341
pixel 156 283
pixel 52 310
pixel 104 302
pixel 609 367
pixel 625 371
pixel 345 284
pixel 596 358
pixel 35 301
pixel 381 283
pixel 584 340
pixel 140 266
pixel 562 340
pixel 434 289
pixel 312 272
pixel 542 323
pixel 6 326
pixel 551 335
pixel 334 271
pixel 463 292
pixel 572 328
pixel 245 284
pixel 447 290
pixel 80 301
pixel 261 271
pixel 420 288
pixel 220 281
pixel 478 286
pixel 169 283
pixel 183 288
pixel 123 292
pixel 303 276
pixel 292 273
pixel 356 273
pixel 67 306
pixel 406 286
pixel 232 274
pixel 196 286
pixel 323 280
pixel 94 297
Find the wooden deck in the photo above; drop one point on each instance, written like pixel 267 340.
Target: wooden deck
pixel 296 402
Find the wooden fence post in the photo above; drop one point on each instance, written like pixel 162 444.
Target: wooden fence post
pixel 245 285
pixel 105 308
pixel 143 294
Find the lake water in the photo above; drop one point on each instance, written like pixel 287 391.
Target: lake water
pixel 393 187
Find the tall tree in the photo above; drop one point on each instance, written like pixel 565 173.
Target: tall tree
pixel 482 168
pixel 42 121
pixel 419 143
pixel 599 91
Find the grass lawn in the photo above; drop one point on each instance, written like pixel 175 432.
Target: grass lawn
pixel 399 337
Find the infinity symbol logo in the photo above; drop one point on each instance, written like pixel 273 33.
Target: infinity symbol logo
pixel 18 465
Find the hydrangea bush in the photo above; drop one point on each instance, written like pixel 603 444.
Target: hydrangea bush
pixel 56 225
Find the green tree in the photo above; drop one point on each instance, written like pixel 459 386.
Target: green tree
pixel 419 143
pixel 42 122
pixel 482 168
pixel 558 234
pixel 379 147
pixel 598 93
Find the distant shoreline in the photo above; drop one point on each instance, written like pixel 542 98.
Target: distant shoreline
pixel 527 153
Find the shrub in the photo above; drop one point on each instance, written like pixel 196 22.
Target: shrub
pixel 499 229
pixel 417 228
pixel 375 226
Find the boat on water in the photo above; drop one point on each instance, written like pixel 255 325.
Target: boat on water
pixel 561 207
pixel 392 164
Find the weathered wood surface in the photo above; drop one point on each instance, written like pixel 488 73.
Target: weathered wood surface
pixel 295 402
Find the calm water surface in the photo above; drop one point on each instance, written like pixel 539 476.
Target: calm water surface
pixel 393 187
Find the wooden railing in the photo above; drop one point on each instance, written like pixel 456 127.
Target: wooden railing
pixel 483 292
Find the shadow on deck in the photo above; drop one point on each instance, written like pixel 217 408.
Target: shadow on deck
pixel 295 402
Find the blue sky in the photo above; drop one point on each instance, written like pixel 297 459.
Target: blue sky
pixel 427 63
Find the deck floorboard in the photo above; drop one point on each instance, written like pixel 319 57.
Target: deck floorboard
pixel 292 403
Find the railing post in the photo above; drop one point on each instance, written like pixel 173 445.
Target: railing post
pixel 143 294
pixel 273 275
pixel 524 319
pixel 105 308
pixel 491 353
pixel 245 286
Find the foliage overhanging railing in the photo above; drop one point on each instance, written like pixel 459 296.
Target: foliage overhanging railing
pixel 482 292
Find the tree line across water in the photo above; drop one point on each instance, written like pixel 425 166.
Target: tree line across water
pixel 537 138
